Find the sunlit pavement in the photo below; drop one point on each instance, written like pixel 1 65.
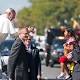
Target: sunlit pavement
pixel 50 73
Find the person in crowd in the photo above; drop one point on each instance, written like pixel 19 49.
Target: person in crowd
pixel 32 31
pixel 68 48
pixel 75 24
pixel 48 45
pixel 24 61
pixel 6 24
pixel 21 63
pixel 76 59
pixel 35 52
pixel 36 57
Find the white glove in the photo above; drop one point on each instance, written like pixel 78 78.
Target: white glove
pixel 38 77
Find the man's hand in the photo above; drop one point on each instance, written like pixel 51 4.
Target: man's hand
pixel 38 77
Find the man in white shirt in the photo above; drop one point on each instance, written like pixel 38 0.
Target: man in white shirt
pixel 6 25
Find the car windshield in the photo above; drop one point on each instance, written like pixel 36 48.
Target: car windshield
pixel 58 44
pixel 57 32
pixel 5 47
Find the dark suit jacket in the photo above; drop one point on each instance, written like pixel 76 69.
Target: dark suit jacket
pixel 37 61
pixel 76 57
pixel 20 63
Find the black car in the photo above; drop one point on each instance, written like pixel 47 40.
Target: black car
pixel 56 51
pixel 5 48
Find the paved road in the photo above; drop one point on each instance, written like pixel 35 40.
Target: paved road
pixel 50 73
pixel 47 72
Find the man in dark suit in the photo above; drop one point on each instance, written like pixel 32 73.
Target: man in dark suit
pixel 37 61
pixel 31 49
pixel 21 63
pixel 76 59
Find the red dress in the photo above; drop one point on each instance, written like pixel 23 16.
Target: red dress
pixel 63 59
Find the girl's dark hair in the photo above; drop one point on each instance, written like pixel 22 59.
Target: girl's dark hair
pixel 71 31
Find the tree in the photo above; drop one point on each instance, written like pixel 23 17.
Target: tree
pixel 48 12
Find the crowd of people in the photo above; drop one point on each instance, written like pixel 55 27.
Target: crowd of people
pixel 71 52
pixel 24 61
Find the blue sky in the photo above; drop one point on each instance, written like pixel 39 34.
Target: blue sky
pixel 16 4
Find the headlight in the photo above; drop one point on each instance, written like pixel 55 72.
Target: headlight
pixel 54 52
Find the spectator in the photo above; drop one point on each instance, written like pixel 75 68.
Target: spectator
pixel 49 41
pixel 68 48
pixel 75 24
pixel 21 62
pixel 35 55
pixel 76 58
pixel 24 58
pixel 6 25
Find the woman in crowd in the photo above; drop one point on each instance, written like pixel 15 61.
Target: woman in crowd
pixel 76 59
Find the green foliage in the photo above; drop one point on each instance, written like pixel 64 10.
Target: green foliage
pixel 45 13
